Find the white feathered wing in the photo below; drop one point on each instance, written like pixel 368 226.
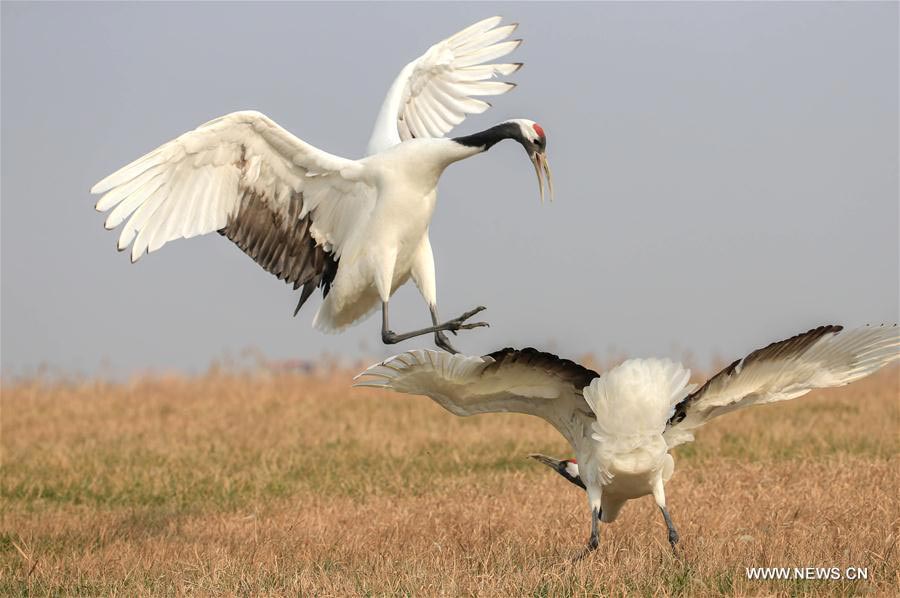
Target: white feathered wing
pixel 820 358
pixel 194 183
pixel 436 91
pixel 506 381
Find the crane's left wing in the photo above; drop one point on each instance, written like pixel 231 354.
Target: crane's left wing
pixel 517 381
pixel 436 91
pixel 288 205
pixel 820 358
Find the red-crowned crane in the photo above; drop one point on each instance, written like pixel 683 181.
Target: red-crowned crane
pixel 357 229
pixel 622 423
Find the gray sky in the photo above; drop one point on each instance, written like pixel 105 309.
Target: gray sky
pixel 726 175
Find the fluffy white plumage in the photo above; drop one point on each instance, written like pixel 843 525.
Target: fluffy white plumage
pixel 636 398
pixel 621 424
pixel 296 209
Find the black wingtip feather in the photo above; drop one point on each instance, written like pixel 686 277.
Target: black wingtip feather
pixel 282 244
pixel 575 373
pixel 793 345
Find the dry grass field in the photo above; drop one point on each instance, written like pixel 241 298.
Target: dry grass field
pixel 288 484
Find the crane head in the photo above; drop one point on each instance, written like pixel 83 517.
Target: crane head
pixel 532 137
pixel 567 468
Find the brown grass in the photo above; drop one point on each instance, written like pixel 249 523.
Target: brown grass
pixel 289 484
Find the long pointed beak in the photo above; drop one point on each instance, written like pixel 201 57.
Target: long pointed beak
pixel 560 467
pixel 548 461
pixel 541 167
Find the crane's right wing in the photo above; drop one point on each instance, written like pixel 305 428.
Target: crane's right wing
pixel 288 205
pixel 435 92
pixel 820 358
pixel 516 381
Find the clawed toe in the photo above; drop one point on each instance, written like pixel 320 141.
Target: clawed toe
pixel 471 312
pixel 460 322
pixel 443 343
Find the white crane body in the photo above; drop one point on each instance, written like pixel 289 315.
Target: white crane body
pixel 392 244
pixel 622 424
pixel 357 229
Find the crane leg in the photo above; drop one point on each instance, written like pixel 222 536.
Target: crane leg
pixel 659 494
pixel 389 337
pixel 594 540
pixel 673 534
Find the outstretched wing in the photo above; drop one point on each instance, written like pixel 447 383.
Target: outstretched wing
pixel 517 381
pixel 820 358
pixel 288 205
pixel 435 92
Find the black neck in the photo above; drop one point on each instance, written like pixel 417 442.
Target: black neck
pixel 565 473
pixel 489 137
